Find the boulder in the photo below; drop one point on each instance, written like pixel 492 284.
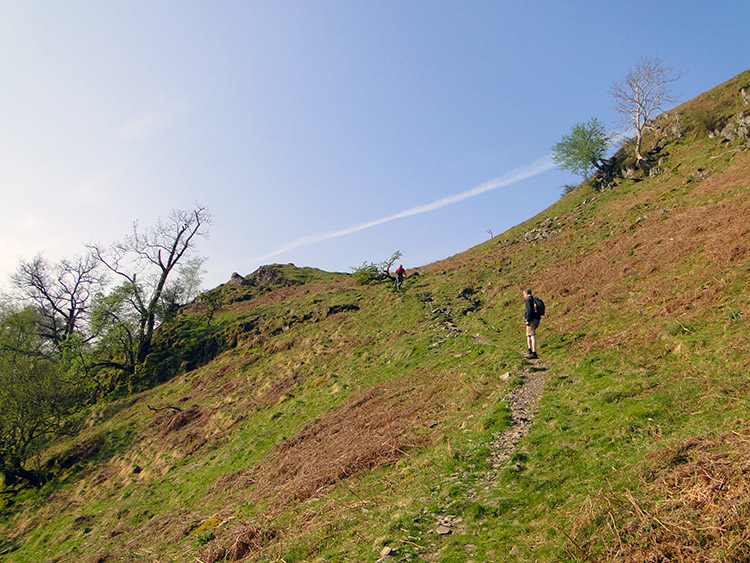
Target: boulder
pixel 737 127
pixel 344 307
pixel 236 280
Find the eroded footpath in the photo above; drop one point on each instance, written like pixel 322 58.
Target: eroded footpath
pixel 523 402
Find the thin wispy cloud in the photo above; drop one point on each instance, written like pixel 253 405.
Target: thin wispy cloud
pixel 151 121
pixel 535 168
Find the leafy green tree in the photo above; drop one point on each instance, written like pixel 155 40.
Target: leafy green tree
pixel 182 290
pixel 36 397
pixel 211 301
pixel 368 272
pixel 583 150
pixel 116 320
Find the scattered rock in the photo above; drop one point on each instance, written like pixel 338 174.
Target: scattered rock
pixel 446 525
pixel 737 127
pixel 667 125
pixel 700 175
pixel 543 231
pixel 522 401
pixel 342 308
pixel 269 275
pixel 379 542
pixel 465 292
pixel 653 172
pixel 453 327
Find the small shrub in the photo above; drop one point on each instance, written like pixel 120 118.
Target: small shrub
pixel 568 188
pixel 204 538
pixel 706 120
pixel 370 272
pixel 367 273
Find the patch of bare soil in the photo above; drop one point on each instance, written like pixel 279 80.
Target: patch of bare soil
pixel 691 505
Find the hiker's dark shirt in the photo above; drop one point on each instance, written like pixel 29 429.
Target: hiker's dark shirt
pixel 529 313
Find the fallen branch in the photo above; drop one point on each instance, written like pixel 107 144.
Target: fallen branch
pixel 722 154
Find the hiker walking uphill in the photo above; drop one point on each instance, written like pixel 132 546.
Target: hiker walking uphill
pixel 532 315
pixel 400 273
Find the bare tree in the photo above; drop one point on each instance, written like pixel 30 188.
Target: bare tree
pixel 144 260
pixel 61 293
pixel 386 265
pixel 642 92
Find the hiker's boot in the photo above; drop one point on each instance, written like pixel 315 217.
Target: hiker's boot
pixel 532 356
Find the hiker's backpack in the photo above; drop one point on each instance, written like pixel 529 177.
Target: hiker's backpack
pixel 539 307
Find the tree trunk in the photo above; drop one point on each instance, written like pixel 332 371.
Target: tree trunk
pixel 147 333
pixel 16 474
pixel 638 154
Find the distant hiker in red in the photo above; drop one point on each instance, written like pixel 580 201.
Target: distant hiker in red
pixel 400 273
pixel 532 315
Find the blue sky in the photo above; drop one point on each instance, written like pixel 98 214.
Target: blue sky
pixel 320 133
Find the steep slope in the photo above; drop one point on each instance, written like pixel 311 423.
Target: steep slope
pixel 303 417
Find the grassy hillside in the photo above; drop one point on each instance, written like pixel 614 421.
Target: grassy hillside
pixel 303 417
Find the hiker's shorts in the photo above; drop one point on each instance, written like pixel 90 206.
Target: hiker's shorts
pixel 531 328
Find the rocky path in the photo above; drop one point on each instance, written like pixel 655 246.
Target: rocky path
pixel 523 402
